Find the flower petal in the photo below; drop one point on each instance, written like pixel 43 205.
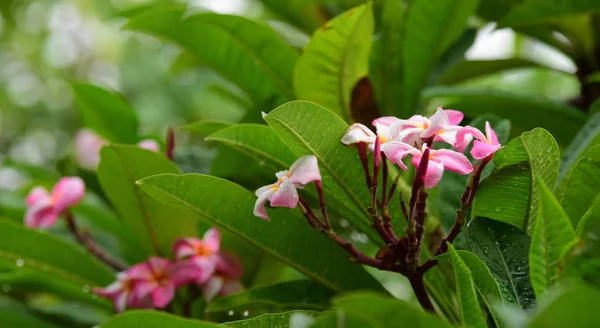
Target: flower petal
pixel 41 214
pixel 358 133
pixel 265 189
pixel 159 264
pixel 453 161
pixel 448 134
pixel 143 288
pixel 212 239
pixel 395 151
pixel 185 272
pixel 385 121
pixel 231 286
pixel 437 122
pixel 304 170
pixel 67 192
pixel 464 137
pixel 206 265
pixel 482 150
pixel 259 206
pixel 149 144
pixel 285 196
pixel 184 247
pixel 435 170
pixel 140 271
pixel 491 134
pixel 87 148
pixel 36 194
pixel 163 295
pixel 212 288
pixel 454 116
pixel 229 264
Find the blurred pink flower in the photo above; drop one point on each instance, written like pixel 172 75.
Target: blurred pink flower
pixel 283 192
pixel 226 279
pixel 484 146
pixel 121 292
pixel 203 254
pixel 87 148
pixel 149 144
pixel 43 208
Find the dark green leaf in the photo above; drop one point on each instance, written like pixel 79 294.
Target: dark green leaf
pixel 504 249
pixel 431 27
pixel 269 320
pixel 206 127
pixel 468 302
pixel 303 14
pixel 469 69
pixel 287 237
pixel 536 11
pixel 299 294
pixel 248 53
pixel 552 235
pixel 343 319
pixel 150 319
pixel 336 57
pixel 511 193
pixel 49 255
pixel 525 112
pixel 587 137
pixel 152 224
pixel 11 318
pixel 106 113
pixel 577 307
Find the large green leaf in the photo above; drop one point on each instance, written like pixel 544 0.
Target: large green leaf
pixel 106 113
pixel 49 255
pixel 577 307
pixel 12 318
pixel 288 237
pixel 552 235
pixel 587 137
pixel 468 69
pixel 152 224
pixel 298 294
pixel 525 112
pixel 430 28
pixel 311 129
pixel 342 319
pixel 307 15
pixel 248 53
pixel 149 319
pixel 257 141
pixel 504 249
pixel 336 57
pixel 511 193
pixel 269 320
pixel 536 11
pixel 468 302
pixel 206 127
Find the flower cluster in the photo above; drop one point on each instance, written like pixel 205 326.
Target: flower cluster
pixel 152 284
pixel 399 138
pixel 44 208
pixel 88 145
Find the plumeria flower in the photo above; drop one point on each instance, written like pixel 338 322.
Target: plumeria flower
pixel 484 146
pixel 156 280
pixel 439 161
pixel 226 279
pixel 442 126
pixel 121 292
pixel 358 133
pixel 87 148
pixel 283 192
pixel 149 144
pixel 203 253
pixel 43 208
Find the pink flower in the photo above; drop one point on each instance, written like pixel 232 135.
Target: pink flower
pixel 439 160
pixel 202 254
pixel 121 292
pixel 483 147
pixel 43 208
pixel 87 148
pixel 283 192
pixel 226 279
pixel 386 132
pixel 149 144
pixel 442 125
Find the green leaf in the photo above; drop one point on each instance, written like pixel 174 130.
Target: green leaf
pixel 536 11
pixel 269 320
pixel 552 235
pixel 468 69
pixel 311 129
pixel 336 57
pixel 287 237
pixel 343 319
pixel 525 112
pixel 577 307
pixel 386 59
pixel 106 113
pixel 248 53
pixel 151 319
pixel 587 137
pixel 504 249
pixel 257 141
pixel 382 310
pixel 49 255
pixel 298 294
pixel 206 127
pixel 12 318
pixel 303 14
pixel 431 27
pixel 511 193
pixel 146 219
pixel 468 302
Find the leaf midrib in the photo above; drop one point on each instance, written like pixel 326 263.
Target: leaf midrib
pixel 510 278
pixel 250 151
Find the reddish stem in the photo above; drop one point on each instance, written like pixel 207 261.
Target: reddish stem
pixel 170 144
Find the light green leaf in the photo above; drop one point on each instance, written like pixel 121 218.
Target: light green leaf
pixel 431 27
pixel 504 249
pixel 298 294
pixel 525 112
pixel 49 255
pixel 536 11
pixel 552 235
pixel 311 129
pixel 577 307
pixel 152 224
pixel 336 57
pixel 269 320
pixel 248 53
pixel 511 193
pixel 106 113
pixel 468 69
pixel 287 237
pixel 206 127
pixel 150 319
pixel 343 319
pixel 257 141
pixel 468 302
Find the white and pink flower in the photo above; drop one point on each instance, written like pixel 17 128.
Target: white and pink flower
pixel 484 146
pixel 44 208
